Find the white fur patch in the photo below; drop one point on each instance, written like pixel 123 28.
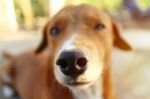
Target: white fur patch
pixel 68 45
pixel 92 92
pixel 7 91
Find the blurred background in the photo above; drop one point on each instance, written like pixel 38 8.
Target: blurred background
pixel 21 23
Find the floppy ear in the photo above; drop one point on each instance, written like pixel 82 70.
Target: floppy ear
pixel 119 42
pixel 44 42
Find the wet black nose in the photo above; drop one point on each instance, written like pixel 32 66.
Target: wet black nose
pixel 72 63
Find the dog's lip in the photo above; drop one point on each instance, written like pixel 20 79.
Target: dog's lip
pixel 78 83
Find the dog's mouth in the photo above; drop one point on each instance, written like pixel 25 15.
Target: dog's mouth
pixel 78 83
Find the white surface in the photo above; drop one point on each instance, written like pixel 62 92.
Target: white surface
pixel 139 39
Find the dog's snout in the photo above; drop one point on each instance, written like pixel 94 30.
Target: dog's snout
pixel 72 63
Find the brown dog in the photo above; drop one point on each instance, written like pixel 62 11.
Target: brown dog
pixel 77 66
pixel 81 39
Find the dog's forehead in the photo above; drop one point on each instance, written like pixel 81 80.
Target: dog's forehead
pixel 74 13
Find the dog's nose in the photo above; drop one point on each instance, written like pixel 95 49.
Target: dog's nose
pixel 72 63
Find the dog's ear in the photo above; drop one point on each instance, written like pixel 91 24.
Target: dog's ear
pixel 119 41
pixel 44 42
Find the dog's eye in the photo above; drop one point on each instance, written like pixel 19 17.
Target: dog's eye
pixel 99 26
pixel 55 31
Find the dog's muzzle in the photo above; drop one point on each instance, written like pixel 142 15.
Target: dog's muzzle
pixel 72 63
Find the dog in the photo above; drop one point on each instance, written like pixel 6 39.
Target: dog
pixel 80 39
pixel 77 65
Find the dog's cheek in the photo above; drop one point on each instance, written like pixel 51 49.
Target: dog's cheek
pixel 95 67
pixel 94 72
pixel 96 64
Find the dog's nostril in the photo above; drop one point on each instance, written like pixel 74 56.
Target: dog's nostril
pixel 63 64
pixel 81 63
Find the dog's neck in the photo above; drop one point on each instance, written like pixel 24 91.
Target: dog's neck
pixel 92 92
